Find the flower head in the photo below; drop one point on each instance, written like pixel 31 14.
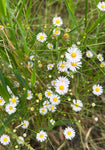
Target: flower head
pixel 50 46
pixel 41 136
pixel 89 54
pixel 100 57
pixel 25 124
pixel 55 99
pixel 14 100
pixel 62 66
pixel 77 106
pixel 5 139
pixel 69 133
pixel 97 90
pixel 101 6
pixel 52 121
pixel 20 140
pixel 41 37
pixel 10 108
pixel 43 110
pixel 29 95
pixel 2 102
pixel 57 21
pixel 50 66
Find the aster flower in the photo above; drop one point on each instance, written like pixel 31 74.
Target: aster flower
pixel 52 108
pixel 20 140
pixel 10 108
pixel 77 105
pixel 57 21
pixel 52 121
pixel 74 65
pixel 30 64
pixel 50 66
pixel 9 90
pixel 48 93
pixel 40 96
pixel 29 95
pixel 1 27
pixel 89 54
pixel 101 6
pixel 32 58
pixel 69 133
pixel 43 110
pixel 56 31
pixel 41 136
pixel 50 46
pixel 100 57
pixel 41 37
pixel 62 66
pixel 5 139
pixel 25 124
pixel 97 90
pixel 46 104
pixel 55 99
pixel 14 100
pixel 61 88
pixel 2 102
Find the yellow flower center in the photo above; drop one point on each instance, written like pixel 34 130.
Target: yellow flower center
pixel 62 66
pixel 56 31
pixel 61 87
pixel 41 135
pixel 97 89
pixel 0 100
pixel 13 100
pixel 24 124
pixel 48 93
pixel 102 6
pixel 69 132
pixel 1 27
pixel 89 54
pixel 102 65
pixel 53 82
pixel 28 94
pixel 54 99
pixel 10 108
pixel 50 66
pixel 52 107
pixel 41 37
pixel 73 54
pixel 5 139
pixel 100 57
pixel 73 64
pixel 43 110
pixel 49 46
pixel 57 21
pixel 76 104
pixel 66 36
pixel 33 57
pixel 40 96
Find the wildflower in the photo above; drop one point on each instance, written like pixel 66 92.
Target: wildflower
pixel 66 36
pixel 9 90
pixel 5 139
pixel 2 102
pixel 100 57
pixel 1 27
pixel 24 135
pixel 52 121
pixel 41 136
pixel 30 64
pixel 73 54
pixel 55 99
pixel 101 6
pixel 29 95
pixel 32 108
pixel 50 46
pixel 43 110
pixel 69 133
pixel 89 54
pixel 77 105
pixel 46 104
pixel 52 108
pixel 40 65
pixel 62 66
pixel 48 93
pixel 67 29
pixel 20 140
pixel 25 124
pixel 61 88
pixel 40 96
pixel 53 82
pixel 32 58
pixel 56 31
pixel 10 108
pixel 14 100
pixel 74 65
pixel 50 66
pixel 57 21
pixel 41 37
pixel 97 90
pixel 102 64
pixel 63 80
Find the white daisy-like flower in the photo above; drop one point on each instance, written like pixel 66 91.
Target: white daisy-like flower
pixel 97 90
pixel 53 82
pixel 25 124
pixel 89 54
pixel 29 95
pixel 67 29
pixel 100 57
pixel 77 106
pixel 52 121
pixel 30 64
pixel 48 93
pixel 32 58
pixel 61 88
pixel 74 46
pixel 101 6
pixel 1 27
pixel 9 90
pixel 69 133
pixel 5 139
pixel 74 65
pixel 62 66
pixel 73 54
pixel 50 46
pixel 57 21
pixel 41 37
pixel 52 108
pixel 55 99
pixel 50 66
pixel 2 102
pixel 43 110
pixel 14 100
pixel 56 31
pixel 41 136
pixel 40 96
pixel 46 104
pixel 10 108
pixel 20 140
pixel 102 64
pixel 63 80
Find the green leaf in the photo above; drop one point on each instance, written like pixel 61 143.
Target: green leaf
pixel 3 8
pixel 2 80
pixel 33 75
pixel 4 93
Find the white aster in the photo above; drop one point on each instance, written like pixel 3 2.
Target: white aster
pixel 10 108
pixel 57 21
pixel 55 99
pixel 40 96
pixel 29 95
pixel 50 66
pixel 100 57
pixel 41 37
pixel 101 6
pixel 30 64
pixel 62 66
pixel 24 124
pixel 1 27
pixel 73 54
pixel 2 102
pixel 9 90
pixel 20 140
pixel 53 82
pixel 63 79
pixel 77 105
pixel 14 100
pixel 61 88
pixel 56 31
pixel 52 108
pixel 43 110
pixel 69 133
pixel 32 58
pixel 97 90
pixel 89 54
pixel 5 139
pixel 102 64
pixel 48 93
pixel 52 121
pixel 41 136
pixel 50 46
pixel 74 65
pixel 46 104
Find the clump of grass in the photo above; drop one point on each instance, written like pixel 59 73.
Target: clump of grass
pixel 52 75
